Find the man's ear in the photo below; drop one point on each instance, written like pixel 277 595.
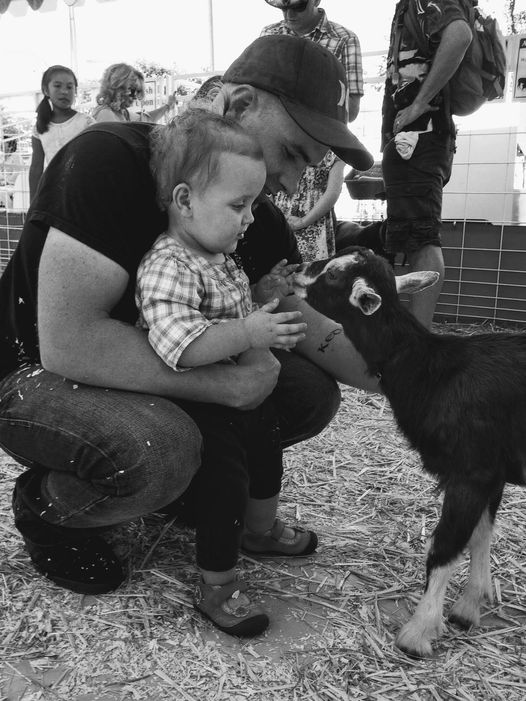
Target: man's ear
pixel 182 199
pixel 241 99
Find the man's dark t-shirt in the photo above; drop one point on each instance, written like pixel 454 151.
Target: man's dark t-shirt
pixel 98 189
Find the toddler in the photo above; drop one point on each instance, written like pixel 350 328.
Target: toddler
pixel 199 309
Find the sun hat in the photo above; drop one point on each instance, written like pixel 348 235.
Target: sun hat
pixel 310 83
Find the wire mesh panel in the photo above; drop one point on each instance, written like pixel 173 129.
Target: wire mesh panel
pixel 11 224
pixel 485 272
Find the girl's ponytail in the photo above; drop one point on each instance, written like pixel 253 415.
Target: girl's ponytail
pixel 44 114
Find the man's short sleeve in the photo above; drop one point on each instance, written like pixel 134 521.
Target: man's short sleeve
pixel 438 14
pixel 98 190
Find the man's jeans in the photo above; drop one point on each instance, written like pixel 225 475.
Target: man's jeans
pixel 107 456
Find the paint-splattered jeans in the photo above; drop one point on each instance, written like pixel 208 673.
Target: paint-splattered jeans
pixel 108 456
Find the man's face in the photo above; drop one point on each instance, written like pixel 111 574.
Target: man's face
pixel 304 21
pixel 287 149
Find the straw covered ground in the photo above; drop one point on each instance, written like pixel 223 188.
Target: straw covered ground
pixel 334 615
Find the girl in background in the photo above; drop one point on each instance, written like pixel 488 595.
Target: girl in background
pixel 310 210
pixel 57 121
pixel 120 87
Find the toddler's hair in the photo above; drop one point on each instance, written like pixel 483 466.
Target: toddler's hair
pixel 116 81
pixel 187 150
pixel 44 110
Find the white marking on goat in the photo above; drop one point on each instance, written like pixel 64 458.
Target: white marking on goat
pixel 466 610
pixel 364 297
pixel 426 623
pixel 342 263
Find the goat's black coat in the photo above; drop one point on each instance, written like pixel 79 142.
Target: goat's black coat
pixel 460 401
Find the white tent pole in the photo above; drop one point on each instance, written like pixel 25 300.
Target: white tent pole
pixel 211 26
pixel 72 39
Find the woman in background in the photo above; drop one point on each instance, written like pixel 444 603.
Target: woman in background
pixel 120 87
pixel 57 121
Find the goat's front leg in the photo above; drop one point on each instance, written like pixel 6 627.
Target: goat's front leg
pixel 463 506
pixel 466 611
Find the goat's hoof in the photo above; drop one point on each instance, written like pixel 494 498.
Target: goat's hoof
pixel 464 614
pixel 460 622
pixel 413 643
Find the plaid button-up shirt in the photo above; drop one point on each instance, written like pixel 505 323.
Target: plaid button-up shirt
pixel 341 42
pixel 180 294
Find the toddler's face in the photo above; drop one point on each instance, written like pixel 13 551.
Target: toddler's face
pixel 222 211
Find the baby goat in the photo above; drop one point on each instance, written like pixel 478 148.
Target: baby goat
pixel 460 401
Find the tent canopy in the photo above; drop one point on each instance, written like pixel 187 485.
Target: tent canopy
pixel 20 7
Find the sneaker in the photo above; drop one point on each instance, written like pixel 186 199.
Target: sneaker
pixel 230 609
pixel 273 543
pixel 75 559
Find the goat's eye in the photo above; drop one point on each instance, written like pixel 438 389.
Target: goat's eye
pixel 331 275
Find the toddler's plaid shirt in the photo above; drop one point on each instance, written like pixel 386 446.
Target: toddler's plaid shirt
pixel 180 294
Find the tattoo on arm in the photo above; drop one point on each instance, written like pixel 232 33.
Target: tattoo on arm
pixel 328 339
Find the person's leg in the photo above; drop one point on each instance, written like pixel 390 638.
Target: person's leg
pixel 423 304
pixel 305 398
pixel 414 205
pixel 219 495
pixel 96 457
pixel 264 532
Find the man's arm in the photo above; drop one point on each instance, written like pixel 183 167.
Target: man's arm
pixel 454 42
pixel 354 106
pixel 78 287
pixel 326 201
pixel 327 346
pixel 351 58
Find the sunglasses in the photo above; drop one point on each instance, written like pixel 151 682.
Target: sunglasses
pixel 289 5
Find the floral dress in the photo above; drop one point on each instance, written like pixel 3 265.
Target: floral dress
pixel 317 240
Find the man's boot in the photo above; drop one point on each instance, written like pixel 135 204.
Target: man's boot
pixel 73 558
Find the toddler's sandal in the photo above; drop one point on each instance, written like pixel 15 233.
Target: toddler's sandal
pixel 273 544
pixel 230 609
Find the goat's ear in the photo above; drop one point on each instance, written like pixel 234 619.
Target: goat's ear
pixel 415 282
pixel 364 297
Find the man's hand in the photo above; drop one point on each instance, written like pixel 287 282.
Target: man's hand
pixel 409 114
pixel 256 375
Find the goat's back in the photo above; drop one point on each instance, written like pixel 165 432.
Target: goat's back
pixel 462 402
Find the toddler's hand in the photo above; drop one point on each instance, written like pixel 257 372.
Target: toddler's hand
pixel 276 283
pixel 267 330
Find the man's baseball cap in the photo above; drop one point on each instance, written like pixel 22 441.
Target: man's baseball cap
pixel 310 83
pixel 287 4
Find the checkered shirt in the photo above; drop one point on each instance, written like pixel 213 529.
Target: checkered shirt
pixel 341 42
pixel 180 294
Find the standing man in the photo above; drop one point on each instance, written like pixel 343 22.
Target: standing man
pixel 304 18
pixel 418 135
pixel 310 211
